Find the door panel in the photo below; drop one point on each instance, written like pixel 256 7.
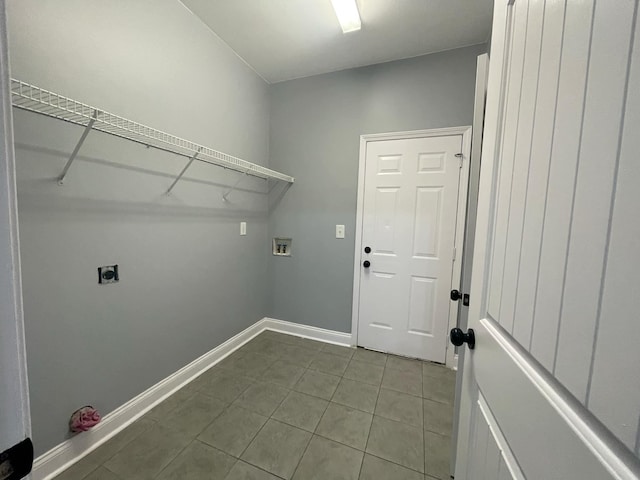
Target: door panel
pixel 386 211
pixel 565 145
pixel 521 162
pixel 512 107
pixel 538 170
pixel 544 430
pixel 409 220
pixel 422 303
pixel 491 458
pixel 611 34
pixel 556 256
pixel 427 221
pixel 616 356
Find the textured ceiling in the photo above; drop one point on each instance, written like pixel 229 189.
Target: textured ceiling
pixel 285 39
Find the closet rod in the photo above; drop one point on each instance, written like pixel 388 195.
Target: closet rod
pixel 34 99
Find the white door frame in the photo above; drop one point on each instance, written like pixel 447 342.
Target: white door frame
pixel 15 420
pixel 482 73
pixel 465 131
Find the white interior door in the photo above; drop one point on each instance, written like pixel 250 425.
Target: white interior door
pixel 409 224
pixel 551 390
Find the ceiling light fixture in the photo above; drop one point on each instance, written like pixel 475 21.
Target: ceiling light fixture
pixel 348 16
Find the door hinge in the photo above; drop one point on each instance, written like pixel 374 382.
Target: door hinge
pixel 460 157
pixel 454 253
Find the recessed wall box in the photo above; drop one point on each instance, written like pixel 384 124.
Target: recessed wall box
pixel 282 247
pixel 108 274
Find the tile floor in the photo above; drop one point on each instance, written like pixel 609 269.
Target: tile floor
pixel 283 407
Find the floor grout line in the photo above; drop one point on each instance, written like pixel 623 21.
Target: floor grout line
pixel 304 345
pixel 373 416
pixel 314 430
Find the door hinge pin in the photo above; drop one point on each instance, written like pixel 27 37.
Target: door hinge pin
pixel 454 254
pixel 460 157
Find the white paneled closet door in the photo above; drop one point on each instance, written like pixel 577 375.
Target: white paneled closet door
pixel 552 388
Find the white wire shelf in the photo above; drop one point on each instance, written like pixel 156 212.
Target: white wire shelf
pixel 34 99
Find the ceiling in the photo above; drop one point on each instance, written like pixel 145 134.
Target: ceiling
pixel 286 39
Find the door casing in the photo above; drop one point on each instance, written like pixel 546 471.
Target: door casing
pixel 15 420
pixel 465 131
pixel 482 74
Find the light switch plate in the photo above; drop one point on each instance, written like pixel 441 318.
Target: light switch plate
pixel 339 231
pixel 243 228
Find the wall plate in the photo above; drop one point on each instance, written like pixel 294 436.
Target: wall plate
pixel 281 247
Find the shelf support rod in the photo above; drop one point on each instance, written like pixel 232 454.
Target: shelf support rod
pixel 195 156
pixel 87 129
pixel 226 194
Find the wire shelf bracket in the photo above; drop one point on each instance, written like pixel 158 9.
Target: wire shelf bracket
pixel 83 137
pixel 28 97
pixel 186 167
pixel 225 195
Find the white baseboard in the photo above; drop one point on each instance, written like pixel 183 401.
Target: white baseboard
pixel 61 457
pixel 306 331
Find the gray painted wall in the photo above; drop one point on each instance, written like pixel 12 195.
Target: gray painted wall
pixel 188 280
pixel 315 127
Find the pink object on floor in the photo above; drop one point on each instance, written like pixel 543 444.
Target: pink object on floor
pixel 83 419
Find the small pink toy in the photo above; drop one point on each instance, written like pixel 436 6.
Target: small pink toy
pixel 83 419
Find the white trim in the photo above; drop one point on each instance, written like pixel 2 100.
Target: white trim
pixel 306 331
pixel 61 457
pixel 498 63
pixel 461 221
pixel 494 113
pixel 15 420
pixel 482 70
pixel 594 436
pixel 456 362
pixel 465 131
pixel 503 446
pixel 432 132
pixel 357 257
